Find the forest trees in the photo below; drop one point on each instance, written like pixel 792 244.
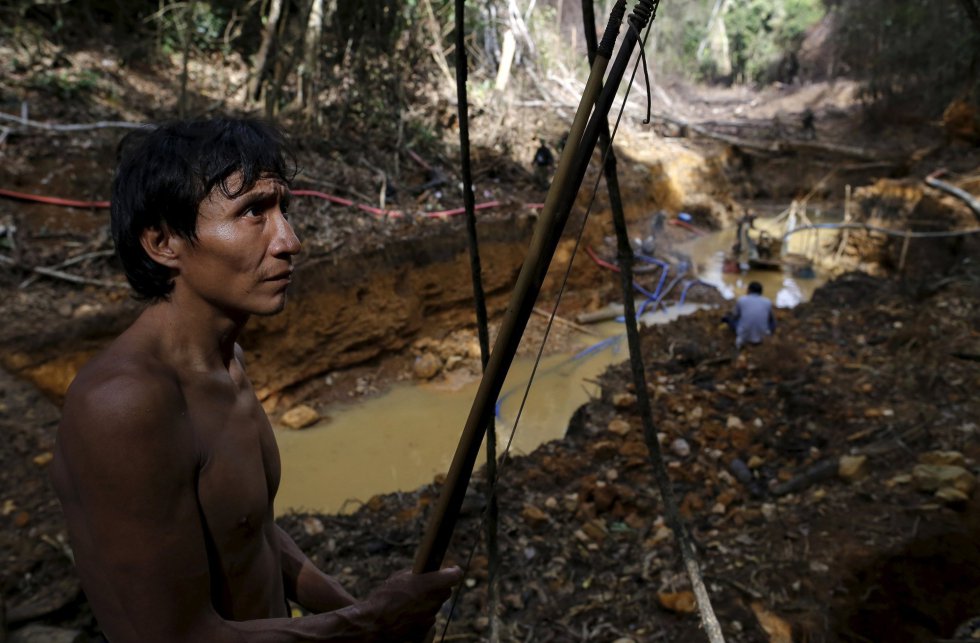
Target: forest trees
pixel 324 59
pixel 926 50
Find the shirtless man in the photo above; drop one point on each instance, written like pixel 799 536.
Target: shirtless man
pixel 166 465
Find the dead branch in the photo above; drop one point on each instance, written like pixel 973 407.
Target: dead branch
pixel 771 147
pixel 64 276
pixel 566 322
pixel 26 122
pixel 70 262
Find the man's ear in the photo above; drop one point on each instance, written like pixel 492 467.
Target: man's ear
pixel 162 245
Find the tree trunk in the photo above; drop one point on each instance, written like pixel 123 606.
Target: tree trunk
pixel 972 9
pixel 309 70
pixel 260 64
pixel 713 48
pixel 435 32
pixel 188 29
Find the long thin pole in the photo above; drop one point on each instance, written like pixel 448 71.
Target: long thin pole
pixel 479 300
pixel 557 206
pixel 625 256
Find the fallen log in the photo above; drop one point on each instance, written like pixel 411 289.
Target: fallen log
pixel 780 146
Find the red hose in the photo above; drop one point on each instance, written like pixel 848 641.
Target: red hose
pixel 600 262
pixel 394 214
pixel 52 200
pixel 685 224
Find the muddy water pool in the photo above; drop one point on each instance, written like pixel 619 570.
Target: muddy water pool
pixel 400 440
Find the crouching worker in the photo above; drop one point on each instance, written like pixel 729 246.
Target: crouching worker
pixel 166 465
pixel 752 318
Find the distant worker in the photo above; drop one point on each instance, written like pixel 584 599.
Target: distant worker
pixel 744 242
pixel 543 162
pixel 808 121
pixel 752 318
pixel 648 245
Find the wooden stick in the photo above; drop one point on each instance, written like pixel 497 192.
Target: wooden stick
pixel 565 322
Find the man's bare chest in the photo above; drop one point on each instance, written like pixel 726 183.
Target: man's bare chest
pixel 239 469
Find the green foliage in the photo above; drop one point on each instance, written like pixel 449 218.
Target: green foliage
pixel 552 49
pixel 677 32
pixel 762 33
pixel 924 50
pixel 66 85
pixel 207 25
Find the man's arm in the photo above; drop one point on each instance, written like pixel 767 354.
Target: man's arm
pixel 306 584
pixel 126 473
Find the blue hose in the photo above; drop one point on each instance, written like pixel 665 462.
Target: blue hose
pixel 687 286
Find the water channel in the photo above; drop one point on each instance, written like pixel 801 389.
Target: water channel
pixel 401 439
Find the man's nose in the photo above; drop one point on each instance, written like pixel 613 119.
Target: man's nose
pixel 286 242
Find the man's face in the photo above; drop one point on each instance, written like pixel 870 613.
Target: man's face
pixel 242 258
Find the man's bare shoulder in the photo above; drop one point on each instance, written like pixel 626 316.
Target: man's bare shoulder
pixel 123 390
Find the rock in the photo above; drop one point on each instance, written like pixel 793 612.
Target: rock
pixel 852 468
pixel 777 629
pixel 623 400
pixel 42 459
pixel 951 496
pixel 680 447
pixel 680 602
pixel 426 366
pixel 534 517
pixel 948 458
pixel 312 525
pixel 37 633
pixel 932 477
pixel 299 417
pixel 902 478
pixel 619 427
pixel 741 471
pixel 755 462
pixel 596 530
pixel 768 511
pixel 603 450
pixel 86 310
pixel 733 422
pixel 453 361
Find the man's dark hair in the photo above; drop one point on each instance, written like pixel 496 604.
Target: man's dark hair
pixel 755 288
pixel 165 173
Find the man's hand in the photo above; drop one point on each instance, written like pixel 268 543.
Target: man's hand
pixel 405 606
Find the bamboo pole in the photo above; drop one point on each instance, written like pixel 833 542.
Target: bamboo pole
pixel 551 222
